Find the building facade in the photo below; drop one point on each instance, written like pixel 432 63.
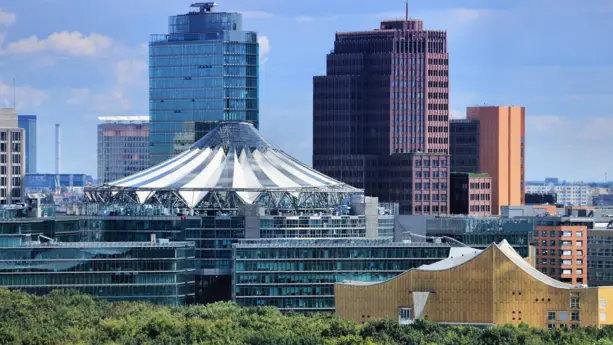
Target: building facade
pixel 540 198
pixel 137 271
pixel 471 194
pixel 494 287
pixel 123 146
pixel 12 158
pixel 383 103
pixel 502 151
pixel 464 145
pixel 566 194
pixel 562 252
pixel 299 274
pixel 203 71
pixel 600 257
pixel 28 123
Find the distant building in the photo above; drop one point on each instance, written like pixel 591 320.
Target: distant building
pixel 602 200
pixel 471 194
pixel 493 287
pixel 502 151
pixel 541 198
pixel 123 146
pixel 381 110
pixel 566 194
pixel 464 145
pixel 28 123
pixel 54 183
pixel 12 158
pixel 203 71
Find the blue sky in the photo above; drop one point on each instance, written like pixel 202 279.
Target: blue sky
pixel 76 60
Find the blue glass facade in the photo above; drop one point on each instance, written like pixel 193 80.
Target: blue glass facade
pixel 299 275
pixel 28 123
pixel 158 273
pixel 203 71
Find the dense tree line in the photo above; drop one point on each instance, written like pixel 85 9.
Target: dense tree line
pixel 71 318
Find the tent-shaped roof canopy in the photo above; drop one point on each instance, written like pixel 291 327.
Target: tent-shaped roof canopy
pixel 233 157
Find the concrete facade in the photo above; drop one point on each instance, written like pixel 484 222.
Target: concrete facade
pixel 502 151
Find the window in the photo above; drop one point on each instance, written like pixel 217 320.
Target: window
pixel 579 262
pixel 551 315
pixel 574 303
pixel 579 252
pixel 404 316
pixel 569 272
pixel 579 243
pixel 567 234
pixel 563 316
pixel 574 316
pixel 579 233
pixel 566 243
pixel 579 271
pixel 603 316
pixel 567 262
pixel 603 303
pixel 567 253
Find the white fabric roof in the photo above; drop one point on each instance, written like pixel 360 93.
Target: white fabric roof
pixel 233 156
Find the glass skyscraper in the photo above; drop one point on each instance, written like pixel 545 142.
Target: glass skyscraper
pixel 28 122
pixel 203 71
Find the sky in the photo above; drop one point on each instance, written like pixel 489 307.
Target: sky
pixel 75 60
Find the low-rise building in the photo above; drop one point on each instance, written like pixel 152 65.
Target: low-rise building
pixel 562 252
pixel 471 194
pixel 299 274
pixel 156 271
pixel 493 287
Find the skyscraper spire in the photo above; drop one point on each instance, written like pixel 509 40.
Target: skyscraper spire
pixel 406 10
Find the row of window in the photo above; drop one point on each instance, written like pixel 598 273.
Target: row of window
pixel 552 243
pixel 479 208
pixel 433 186
pixel 426 197
pixel 435 209
pixel 544 233
pixel 562 316
pixel 563 262
pixel 433 174
pixel 479 197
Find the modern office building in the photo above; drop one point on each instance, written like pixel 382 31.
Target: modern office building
pixel 494 287
pixel 480 232
pixel 203 71
pixel 600 256
pixel 299 274
pixel 12 158
pixel 157 271
pixel 502 151
pixel 232 184
pixel 471 194
pixel 381 113
pixel 123 146
pixel 28 123
pixel 464 145
pixel 562 252
pixel 567 194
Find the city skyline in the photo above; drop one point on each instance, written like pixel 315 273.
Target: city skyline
pixel 564 90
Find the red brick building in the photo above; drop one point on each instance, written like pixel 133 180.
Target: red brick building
pixel 561 252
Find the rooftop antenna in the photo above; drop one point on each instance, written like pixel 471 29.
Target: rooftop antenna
pixel 204 6
pixel 406 10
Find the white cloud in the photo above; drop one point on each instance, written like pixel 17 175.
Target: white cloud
pixel 131 72
pixel 7 18
pixel 264 48
pixel 72 43
pixel 256 14
pixel 25 96
pixel 100 102
pixel 309 19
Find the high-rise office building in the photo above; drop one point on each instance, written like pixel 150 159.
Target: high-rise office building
pixel 123 146
pixel 12 158
pixel 203 71
pixel 28 123
pixel 502 151
pixel 381 115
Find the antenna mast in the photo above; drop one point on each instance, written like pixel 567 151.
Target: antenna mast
pixel 406 10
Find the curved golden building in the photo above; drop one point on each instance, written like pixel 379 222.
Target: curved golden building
pixel 494 286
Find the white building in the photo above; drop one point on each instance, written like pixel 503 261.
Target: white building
pixel 567 194
pixel 12 158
